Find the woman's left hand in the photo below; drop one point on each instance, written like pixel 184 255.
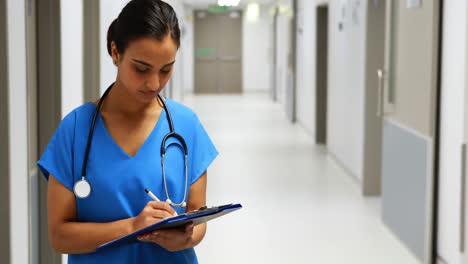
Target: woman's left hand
pixel 171 239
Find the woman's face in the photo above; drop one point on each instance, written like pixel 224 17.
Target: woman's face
pixel 145 67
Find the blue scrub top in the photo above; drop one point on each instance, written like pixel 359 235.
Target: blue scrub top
pixel 118 180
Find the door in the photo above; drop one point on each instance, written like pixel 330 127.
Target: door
pixel 205 52
pixel 409 110
pixel 375 43
pixel 321 75
pixel 230 52
pixel 218 52
pixel 4 142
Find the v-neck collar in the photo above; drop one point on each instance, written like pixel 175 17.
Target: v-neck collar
pixel 101 123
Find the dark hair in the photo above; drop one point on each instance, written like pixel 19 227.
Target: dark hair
pixel 143 18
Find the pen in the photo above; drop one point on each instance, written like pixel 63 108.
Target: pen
pixel 152 195
pixel 155 198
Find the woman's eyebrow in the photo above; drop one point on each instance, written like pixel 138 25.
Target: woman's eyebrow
pixel 169 64
pixel 151 66
pixel 142 62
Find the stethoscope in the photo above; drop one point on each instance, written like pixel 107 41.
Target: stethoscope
pixel 82 188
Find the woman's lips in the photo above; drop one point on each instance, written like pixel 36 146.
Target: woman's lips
pixel 149 93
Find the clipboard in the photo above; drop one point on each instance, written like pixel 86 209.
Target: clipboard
pixel 196 217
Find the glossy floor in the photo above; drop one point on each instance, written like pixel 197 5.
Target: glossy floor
pixel 299 205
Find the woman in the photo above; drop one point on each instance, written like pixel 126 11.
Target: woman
pixel 125 153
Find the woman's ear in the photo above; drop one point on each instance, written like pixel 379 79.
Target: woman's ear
pixel 115 54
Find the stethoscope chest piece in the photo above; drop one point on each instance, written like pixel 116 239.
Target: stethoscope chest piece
pixel 82 188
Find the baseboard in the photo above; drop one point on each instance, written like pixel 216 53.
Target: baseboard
pixel 440 260
pixel 351 175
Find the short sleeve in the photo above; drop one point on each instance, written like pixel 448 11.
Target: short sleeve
pixel 57 158
pixel 203 151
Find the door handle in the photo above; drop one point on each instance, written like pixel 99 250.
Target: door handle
pixel 463 197
pixel 380 76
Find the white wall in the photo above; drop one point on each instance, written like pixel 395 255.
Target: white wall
pixel 108 11
pixel 256 51
pixel 71 54
pixel 187 50
pixel 16 61
pixel 346 76
pixel 71 41
pixel 451 129
pixel 282 51
pixel 177 80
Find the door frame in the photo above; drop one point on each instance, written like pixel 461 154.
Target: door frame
pixel 91 50
pixel 4 142
pixel 436 176
pixel 293 60
pixel 32 129
pixel 430 138
pixel 49 104
pixel 321 73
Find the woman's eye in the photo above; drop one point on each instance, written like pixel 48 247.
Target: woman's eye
pixel 165 71
pixel 141 70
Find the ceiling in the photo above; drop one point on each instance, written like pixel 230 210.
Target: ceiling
pixel 205 3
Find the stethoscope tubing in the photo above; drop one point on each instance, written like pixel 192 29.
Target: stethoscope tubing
pixel 172 134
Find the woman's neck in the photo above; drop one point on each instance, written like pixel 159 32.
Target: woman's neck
pixel 119 101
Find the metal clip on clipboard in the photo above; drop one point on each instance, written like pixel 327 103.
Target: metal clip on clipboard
pixel 205 208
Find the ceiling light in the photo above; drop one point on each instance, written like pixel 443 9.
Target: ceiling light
pixel 253 12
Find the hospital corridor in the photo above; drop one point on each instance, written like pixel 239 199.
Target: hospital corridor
pixel 300 206
pixel 335 131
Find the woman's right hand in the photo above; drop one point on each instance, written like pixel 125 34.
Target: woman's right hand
pixel 152 213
